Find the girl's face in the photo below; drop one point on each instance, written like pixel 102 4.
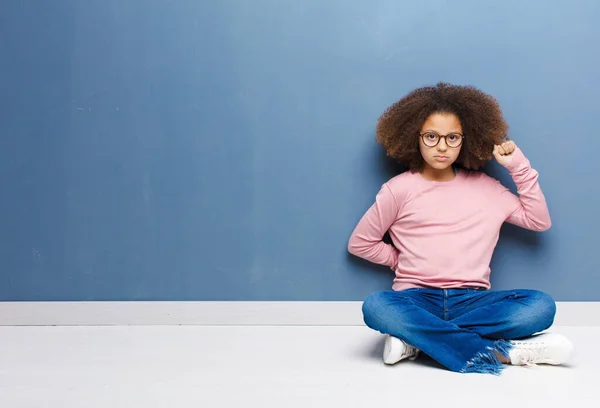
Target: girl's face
pixel 440 141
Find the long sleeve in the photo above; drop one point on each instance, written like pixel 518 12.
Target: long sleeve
pixel 367 239
pixel 529 209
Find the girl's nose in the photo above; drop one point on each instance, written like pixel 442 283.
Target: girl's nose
pixel 442 146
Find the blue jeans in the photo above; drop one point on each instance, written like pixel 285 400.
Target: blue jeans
pixel 462 329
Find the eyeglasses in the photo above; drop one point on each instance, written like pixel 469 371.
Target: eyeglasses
pixel 431 139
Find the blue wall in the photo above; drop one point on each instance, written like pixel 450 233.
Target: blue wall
pixel 224 150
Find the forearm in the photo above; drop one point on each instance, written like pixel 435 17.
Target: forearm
pixel 376 251
pixel 532 210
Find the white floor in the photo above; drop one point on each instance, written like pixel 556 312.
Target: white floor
pixel 253 366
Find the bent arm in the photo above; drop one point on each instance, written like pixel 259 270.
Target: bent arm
pixel 529 209
pixel 366 240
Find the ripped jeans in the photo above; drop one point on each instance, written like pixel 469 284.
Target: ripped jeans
pixel 462 329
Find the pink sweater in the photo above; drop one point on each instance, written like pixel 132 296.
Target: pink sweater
pixel 444 233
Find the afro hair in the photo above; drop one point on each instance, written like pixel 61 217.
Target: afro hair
pixel 480 115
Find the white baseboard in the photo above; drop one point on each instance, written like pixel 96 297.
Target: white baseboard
pixel 223 313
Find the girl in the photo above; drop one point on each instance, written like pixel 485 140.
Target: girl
pixel 444 218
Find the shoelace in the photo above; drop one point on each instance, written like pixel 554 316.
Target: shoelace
pixel 530 353
pixel 410 351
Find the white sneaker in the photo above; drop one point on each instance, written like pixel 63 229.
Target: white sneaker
pixel 395 350
pixel 547 348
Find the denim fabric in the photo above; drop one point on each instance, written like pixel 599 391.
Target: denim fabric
pixel 462 329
